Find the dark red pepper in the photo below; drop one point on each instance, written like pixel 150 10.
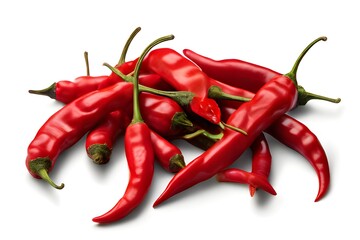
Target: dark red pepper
pixel 274 99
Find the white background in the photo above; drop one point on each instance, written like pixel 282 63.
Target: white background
pixel 43 42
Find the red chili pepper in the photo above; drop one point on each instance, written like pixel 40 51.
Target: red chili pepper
pixel 168 155
pixel 233 72
pixel 100 140
pixel 274 99
pixel 139 153
pixel 315 153
pixel 261 164
pixel 245 75
pixel 66 91
pixel 69 124
pixel 163 115
pixel 183 75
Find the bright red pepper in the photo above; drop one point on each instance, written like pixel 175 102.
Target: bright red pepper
pixel 293 132
pixel 167 154
pixel 261 164
pixel 183 75
pixel 100 140
pixel 274 99
pixel 245 75
pixel 139 154
pixel 69 124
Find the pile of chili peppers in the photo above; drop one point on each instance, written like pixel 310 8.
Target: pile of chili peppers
pixel 223 107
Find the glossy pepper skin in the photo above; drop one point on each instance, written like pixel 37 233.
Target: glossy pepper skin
pixel 140 157
pixel 139 154
pixel 66 91
pixel 69 124
pixel 252 77
pixel 261 165
pixel 273 100
pixel 183 75
pixel 100 140
pixel 303 140
pixel 163 115
pixel 167 154
pixel 233 72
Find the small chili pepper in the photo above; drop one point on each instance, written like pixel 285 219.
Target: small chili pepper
pixel 65 127
pixel 100 140
pixel 261 164
pixel 139 153
pixel 183 75
pixel 163 115
pixel 274 99
pixel 168 155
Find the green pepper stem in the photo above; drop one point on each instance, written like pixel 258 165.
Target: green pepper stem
pixel 136 113
pixel 204 133
pixel 305 96
pixel 40 167
pixel 49 91
pixel 182 97
pixel 292 73
pixel 45 176
pixel 216 92
pixel 177 163
pixel 223 125
pixel 127 44
pixel 180 119
pixel 86 56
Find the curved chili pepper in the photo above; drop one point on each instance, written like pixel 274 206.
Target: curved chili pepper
pixel 246 75
pixel 261 164
pixel 299 137
pixel 100 140
pixel 66 91
pixel 315 153
pixel 274 99
pixel 163 115
pixel 139 153
pixel 183 75
pixel 168 155
pixel 69 124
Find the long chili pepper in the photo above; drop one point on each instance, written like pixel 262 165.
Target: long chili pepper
pixel 100 140
pixel 315 153
pixel 167 154
pixel 66 91
pixel 65 127
pixel 246 75
pixel 183 75
pixel 139 153
pixel 274 99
